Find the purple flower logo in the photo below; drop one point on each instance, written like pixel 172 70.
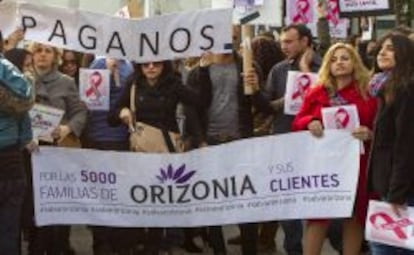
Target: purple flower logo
pixel 179 176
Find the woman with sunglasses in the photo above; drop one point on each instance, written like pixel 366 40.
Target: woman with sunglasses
pixel 158 90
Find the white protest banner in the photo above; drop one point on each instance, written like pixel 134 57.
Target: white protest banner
pixel 160 7
pixel 250 180
pixel 44 120
pixel 96 6
pixel 153 39
pixel 384 226
pixel 297 84
pixel 270 11
pixel 94 88
pixel 8 18
pixel 340 117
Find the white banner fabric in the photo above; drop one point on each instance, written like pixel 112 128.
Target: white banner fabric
pixel 145 40
pixel 384 226
pixel 291 176
pixel 8 16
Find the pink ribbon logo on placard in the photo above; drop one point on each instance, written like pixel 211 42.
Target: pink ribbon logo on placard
pixel 333 12
pixel 342 118
pixel 303 8
pixel 303 83
pixel 390 224
pixel 95 81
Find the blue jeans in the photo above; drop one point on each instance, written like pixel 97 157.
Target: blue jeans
pixel 11 198
pixel 383 249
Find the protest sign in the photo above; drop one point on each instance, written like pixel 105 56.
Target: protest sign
pixel 338 27
pixel 358 8
pixel 153 39
pixel 305 12
pixel 340 117
pixel 44 120
pixel 258 179
pixel 297 84
pixel 94 88
pixel 384 226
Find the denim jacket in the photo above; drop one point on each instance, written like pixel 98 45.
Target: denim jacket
pixel 15 126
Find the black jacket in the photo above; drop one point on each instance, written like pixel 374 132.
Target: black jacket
pixel 391 166
pixel 156 105
pixel 199 79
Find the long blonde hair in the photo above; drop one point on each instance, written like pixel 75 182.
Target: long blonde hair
pixel 360 72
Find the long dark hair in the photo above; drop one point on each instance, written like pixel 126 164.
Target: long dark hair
pixel 17 57
pixel 402 75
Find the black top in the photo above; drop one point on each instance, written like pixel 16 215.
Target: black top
pixel 156 105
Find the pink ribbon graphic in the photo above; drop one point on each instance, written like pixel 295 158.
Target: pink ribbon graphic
pixel 95 81
pixel 390 224
pixel 341 118
pixel 302 85
pixel 333 12
pixel 303 7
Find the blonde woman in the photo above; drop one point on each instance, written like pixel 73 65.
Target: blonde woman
pixel 343 80
pixel 57 90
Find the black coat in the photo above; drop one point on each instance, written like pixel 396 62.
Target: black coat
pixel 391 166
pixel 156 105
pixel 199 79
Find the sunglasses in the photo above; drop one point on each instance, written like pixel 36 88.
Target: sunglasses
pixel 154 64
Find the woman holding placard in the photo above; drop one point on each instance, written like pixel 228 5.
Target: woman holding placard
pixel 342 80
pixel 391 166
pixel 58 91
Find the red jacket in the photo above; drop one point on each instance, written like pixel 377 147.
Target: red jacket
pixel 318 98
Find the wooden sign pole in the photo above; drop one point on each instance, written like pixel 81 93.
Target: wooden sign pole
pixel 247 36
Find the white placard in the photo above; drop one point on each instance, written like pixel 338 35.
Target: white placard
pixel 305 11
pixel 363 5
pixel 94 88
pixel 340 117
pixel 8 18
pixel 44 120
pixel 384 226
pixel 297 84
pixel 153 39
pixel 251 180
pixel 338 27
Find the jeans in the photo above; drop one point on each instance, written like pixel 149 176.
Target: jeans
pixel 383 249
pixel 11 198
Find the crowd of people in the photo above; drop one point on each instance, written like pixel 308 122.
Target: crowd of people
pixel 203 101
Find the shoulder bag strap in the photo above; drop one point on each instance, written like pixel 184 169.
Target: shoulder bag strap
pixel 132 105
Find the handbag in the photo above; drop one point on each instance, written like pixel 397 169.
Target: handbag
pixel 146 138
